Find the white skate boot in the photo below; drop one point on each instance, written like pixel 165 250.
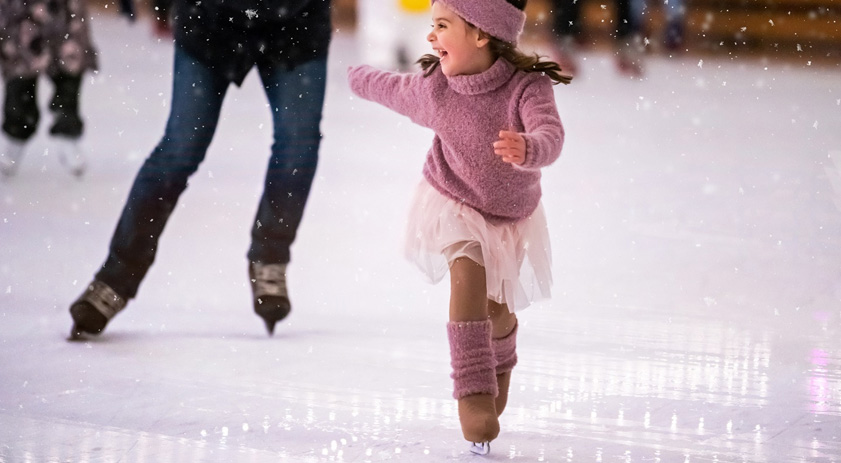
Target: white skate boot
pixel 11 152
pixel 70 155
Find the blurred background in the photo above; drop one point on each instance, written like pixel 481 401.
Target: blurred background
pixel 787 29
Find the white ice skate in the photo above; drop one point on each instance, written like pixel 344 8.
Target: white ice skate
pixel 11 152
pixel 70 155
pixel 480 448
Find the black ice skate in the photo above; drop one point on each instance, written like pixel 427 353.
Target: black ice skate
pixel 93 309
pixel 268 286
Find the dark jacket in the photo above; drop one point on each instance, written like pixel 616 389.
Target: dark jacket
pixel 231 36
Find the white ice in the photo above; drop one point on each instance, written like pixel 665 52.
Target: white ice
pixel 696 226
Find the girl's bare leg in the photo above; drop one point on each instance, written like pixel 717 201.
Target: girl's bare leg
pixel 468 293
pixel 473 363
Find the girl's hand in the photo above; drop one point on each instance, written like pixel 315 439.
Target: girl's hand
pixel 511 146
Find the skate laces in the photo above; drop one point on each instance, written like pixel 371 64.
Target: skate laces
pixel 268 280
pixel 103 298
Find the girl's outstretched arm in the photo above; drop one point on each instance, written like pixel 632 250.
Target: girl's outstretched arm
pixel 544 133
pixel 397 91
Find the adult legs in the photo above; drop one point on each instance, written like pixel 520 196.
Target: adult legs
pixel 196 100
pixel 65 106
pixel 197 95
pixel 296 98
pixel 20 121
pixel 20 108
pixel 67 125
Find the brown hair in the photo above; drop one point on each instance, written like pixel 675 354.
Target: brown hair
pixel 508 51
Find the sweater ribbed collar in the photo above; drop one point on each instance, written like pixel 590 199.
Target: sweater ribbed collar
pixel 484 82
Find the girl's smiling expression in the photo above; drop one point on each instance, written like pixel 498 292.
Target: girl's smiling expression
pixel 462 48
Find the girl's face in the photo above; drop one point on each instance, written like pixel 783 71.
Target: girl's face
pixel 461 48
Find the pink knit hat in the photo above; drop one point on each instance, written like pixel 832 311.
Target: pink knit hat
pixel 496 17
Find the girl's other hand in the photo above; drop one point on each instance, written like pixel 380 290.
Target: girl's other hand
pixel 511 146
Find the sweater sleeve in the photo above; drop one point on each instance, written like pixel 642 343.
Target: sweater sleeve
pixel 544 133
pixel 399 92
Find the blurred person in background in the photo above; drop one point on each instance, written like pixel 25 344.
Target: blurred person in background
pixel 567 37
pixel 218 42
pixel 161 11
pixel 162 16
pixel 391 31
pixel 675 14
pixel 43 38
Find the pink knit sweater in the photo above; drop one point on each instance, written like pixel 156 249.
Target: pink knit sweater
pixel 466 113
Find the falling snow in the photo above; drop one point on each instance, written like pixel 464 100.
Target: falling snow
pixel 695 303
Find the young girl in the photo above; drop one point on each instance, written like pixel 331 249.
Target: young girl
pixel 477 211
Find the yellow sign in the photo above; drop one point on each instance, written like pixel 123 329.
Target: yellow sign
pixel 415 6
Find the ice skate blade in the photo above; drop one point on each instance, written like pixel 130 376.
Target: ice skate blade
pixel 480 448
pixel 270 326
pixel 77 335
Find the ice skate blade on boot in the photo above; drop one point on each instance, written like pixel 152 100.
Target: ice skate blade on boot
pixel 271 298
pixel 86 320
pixel 98 304
pixel 78 335
pixel 480 448
pixel 272 309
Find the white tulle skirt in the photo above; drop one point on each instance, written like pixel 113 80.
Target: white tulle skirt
pixel 517 256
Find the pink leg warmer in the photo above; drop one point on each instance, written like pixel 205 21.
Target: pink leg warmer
pixel 472 358
pixel 505 351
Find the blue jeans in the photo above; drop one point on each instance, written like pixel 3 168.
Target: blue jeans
pixel 296 98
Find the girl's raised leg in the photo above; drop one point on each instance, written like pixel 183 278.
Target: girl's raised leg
pixel 504 345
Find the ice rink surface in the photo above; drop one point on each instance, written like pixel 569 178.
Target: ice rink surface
pixel 696 226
